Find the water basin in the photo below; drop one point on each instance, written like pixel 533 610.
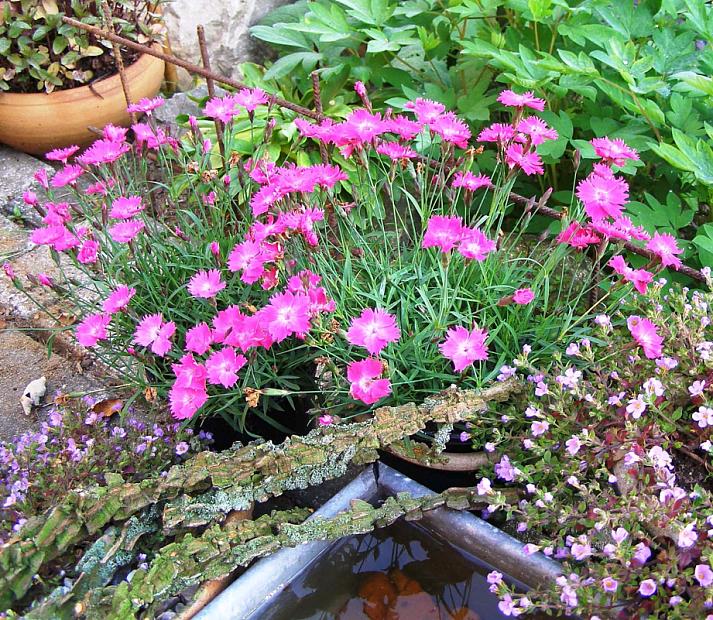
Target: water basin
pixel 401 572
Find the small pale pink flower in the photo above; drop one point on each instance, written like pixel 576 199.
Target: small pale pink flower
pixel 373 330
pixel 704 575
pixel 464 347
pixel 647 587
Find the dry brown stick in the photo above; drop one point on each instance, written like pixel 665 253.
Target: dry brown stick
pixel 317 96
pixel 210 83
pixel 542 209
pixel 118 60
pixel 188 66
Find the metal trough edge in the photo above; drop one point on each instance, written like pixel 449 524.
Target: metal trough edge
pixel 269 576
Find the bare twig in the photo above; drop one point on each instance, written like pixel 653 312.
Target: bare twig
pixel 188 66
pixel 210 83
pixel 317 96
pixel 118 59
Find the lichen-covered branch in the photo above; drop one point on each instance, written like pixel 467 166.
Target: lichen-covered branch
pixel 220 550
pixel 208 486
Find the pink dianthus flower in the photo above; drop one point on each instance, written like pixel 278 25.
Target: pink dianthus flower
pixel 92 329
pixel 665 247
pixel 152 331
pixel 367 384
pixel 127 207
pixel 373 330
pixel 119 299
pixel 525 100
pixel 206 284
pixel 443 232
pixel 124 232
pixel 603 197
pixel 223 367
pixel 286 314
pixel 523 296
pixel 464 347
pixel 644 333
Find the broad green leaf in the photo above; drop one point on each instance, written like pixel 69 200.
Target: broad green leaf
pixel 283 66
pixel 697 82
pixel 279 35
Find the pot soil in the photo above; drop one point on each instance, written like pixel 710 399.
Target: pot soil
pixel 39 122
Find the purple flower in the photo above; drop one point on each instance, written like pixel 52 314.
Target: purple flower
pixel 704 575
pixel 181 448
pixel 505 470
pixel 647 587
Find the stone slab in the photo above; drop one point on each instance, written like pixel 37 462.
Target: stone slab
pixel 22 360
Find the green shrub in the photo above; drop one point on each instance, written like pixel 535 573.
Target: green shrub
pixel 631 70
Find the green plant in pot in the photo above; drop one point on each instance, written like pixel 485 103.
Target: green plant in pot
pixel 50 70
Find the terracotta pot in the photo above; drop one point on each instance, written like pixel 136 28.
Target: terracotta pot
pixel 38 122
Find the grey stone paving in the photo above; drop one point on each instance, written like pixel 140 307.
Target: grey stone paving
pixel 23 355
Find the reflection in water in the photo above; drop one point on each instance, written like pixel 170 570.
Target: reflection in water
pixel 398 573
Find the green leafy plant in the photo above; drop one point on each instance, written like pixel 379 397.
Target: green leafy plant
pixel 39 52
pixel 636 71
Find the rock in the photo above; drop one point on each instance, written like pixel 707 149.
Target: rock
pixel 17 176
pixel 22 360
pixel 226 24
pixel 33 394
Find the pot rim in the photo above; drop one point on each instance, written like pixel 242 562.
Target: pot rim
pixel 80 93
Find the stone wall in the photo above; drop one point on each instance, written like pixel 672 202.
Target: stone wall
pixel 226 24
